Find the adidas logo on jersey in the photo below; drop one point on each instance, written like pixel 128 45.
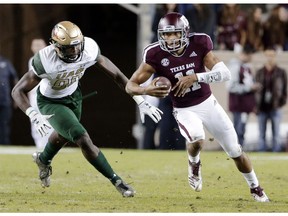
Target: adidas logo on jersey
pixel 193 54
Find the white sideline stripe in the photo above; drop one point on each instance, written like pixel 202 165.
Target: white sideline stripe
pixel 16 150
pixel 31 149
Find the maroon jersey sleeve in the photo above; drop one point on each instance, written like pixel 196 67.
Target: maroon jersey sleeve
pixel 150 53
pixel 203 40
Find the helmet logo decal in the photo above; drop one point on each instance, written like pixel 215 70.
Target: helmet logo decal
pixel 75 42
pixel 165 62
pixel 169 28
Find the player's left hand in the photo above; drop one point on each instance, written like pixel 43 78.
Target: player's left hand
pixel 153 112
pixel 39 121
pixel 183 84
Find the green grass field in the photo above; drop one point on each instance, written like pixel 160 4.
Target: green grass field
pixel 159 177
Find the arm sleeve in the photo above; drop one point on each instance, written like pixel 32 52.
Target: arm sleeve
pixel 219 73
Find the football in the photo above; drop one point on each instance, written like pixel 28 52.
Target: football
pixel 163 81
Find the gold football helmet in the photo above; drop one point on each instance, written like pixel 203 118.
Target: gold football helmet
pixel 68 41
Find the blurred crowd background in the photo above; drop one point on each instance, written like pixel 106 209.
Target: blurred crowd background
pixel 122 30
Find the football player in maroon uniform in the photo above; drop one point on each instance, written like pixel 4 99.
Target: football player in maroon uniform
pixel 182 57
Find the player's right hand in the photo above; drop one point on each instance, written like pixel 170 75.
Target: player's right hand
pixel 156 91
pixel 40 122
pixel 153 112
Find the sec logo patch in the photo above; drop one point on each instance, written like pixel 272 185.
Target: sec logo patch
pixel 165 62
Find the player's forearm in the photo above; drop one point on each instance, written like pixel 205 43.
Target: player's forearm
pixel 113 72
pixel 20 98
pixel 121 80
pixel 134 89
pixel 219 73
pixel 20 91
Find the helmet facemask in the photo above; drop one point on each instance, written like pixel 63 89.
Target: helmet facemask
pixel 69 53
pixel 177 43
pixel 68 41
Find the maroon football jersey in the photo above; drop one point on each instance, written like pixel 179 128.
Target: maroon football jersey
pixel 172 67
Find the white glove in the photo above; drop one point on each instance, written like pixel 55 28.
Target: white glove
pixel 39 121
pixel 148 109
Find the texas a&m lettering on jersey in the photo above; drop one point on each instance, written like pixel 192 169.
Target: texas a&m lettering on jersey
pixel 182 67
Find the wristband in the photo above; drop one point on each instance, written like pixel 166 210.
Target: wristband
pixel 29 111
pixel 138 99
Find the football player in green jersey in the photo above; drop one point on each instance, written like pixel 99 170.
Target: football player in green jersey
pixel 58 68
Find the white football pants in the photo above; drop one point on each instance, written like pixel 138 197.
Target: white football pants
pixel 212 116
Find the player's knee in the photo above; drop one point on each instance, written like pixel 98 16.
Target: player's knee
pixel 76 132
pixel 83 140
pixel 193 137
pixel 196 146
pixel 86 144
pixel 57 139
pixel 235 152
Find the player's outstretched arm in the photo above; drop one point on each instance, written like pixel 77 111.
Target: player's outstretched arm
pixel 19 95
pixel 106 66
pixel 111 70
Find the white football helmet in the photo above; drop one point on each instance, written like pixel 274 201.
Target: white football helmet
pixel 68 41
